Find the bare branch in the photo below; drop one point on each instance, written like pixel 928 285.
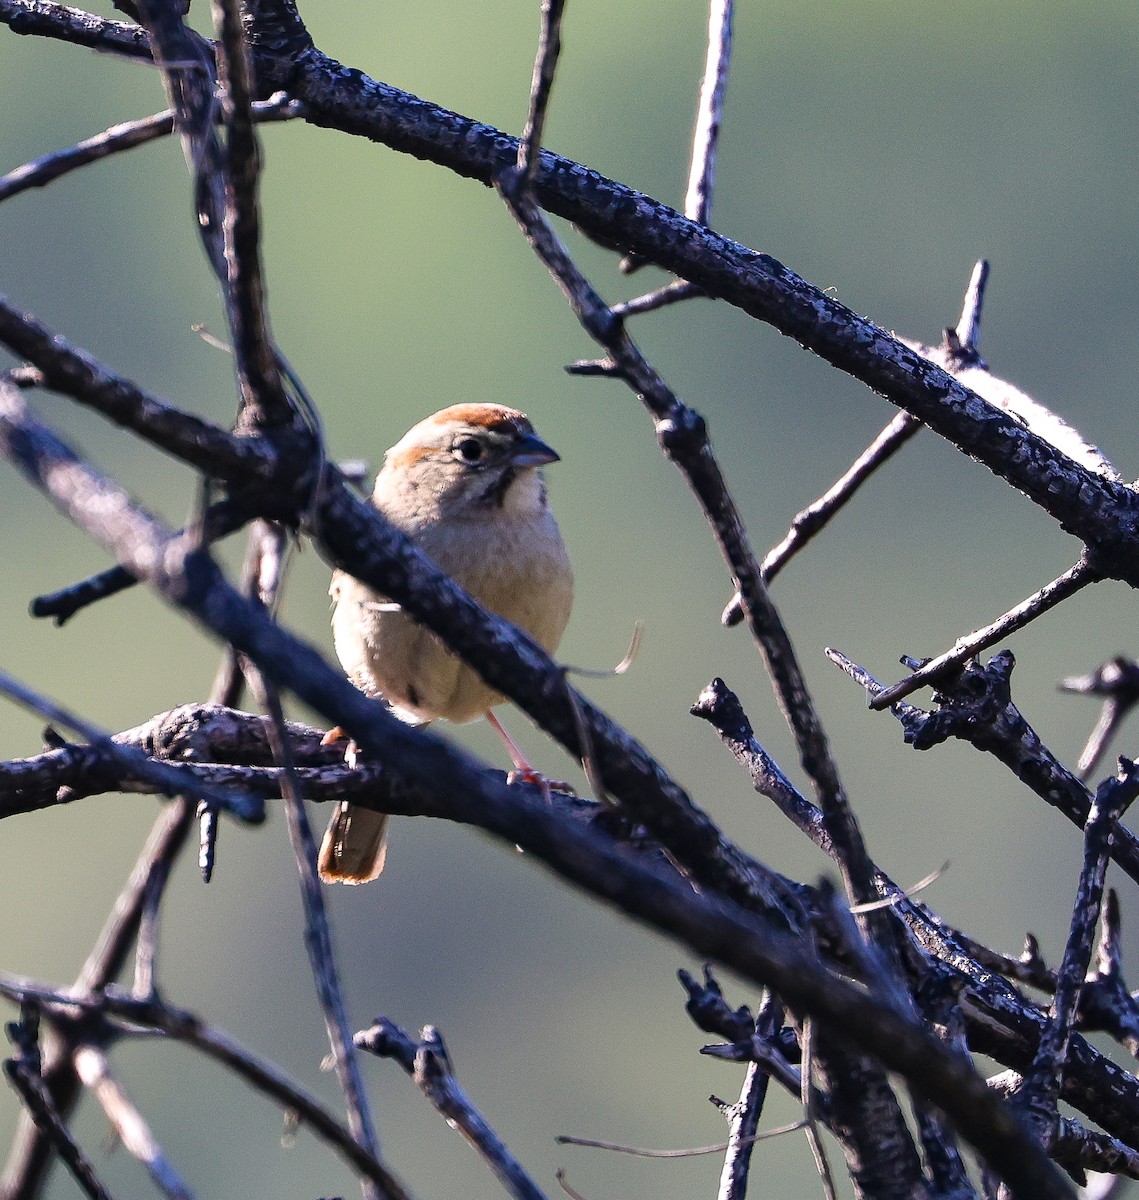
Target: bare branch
pixel 132 1129
pixel 317 932
pixel 76 374
pixel 428 1063
pixel 1051 594
pixel 706 135
pixel 42 18
pixel 978 708
pixel 118 139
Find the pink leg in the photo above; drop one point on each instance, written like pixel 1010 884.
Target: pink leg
pixel 521 763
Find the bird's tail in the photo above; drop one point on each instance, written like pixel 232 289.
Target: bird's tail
pixel 355 845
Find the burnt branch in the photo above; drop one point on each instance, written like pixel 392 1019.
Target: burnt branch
pixel 116 140
pixel 429 1064
pixel 977 707
pixel 121 1015
pixel 965 648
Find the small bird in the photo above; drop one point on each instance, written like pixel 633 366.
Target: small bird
pixel 466 487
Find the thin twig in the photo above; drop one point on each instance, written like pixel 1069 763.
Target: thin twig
pixel 1052 594
pixel 744 1115
pixel 966 337
pixel 819 513
pixel 705 133
pixel 671 293
pixel 118 138
pixel 129 1124
pixel 261 578
pixel 318 934
pixel 710 112
pixel 221 520
pixel 541 85
pixel 23 1073
pixel 1042 1083
pixel 264 399
pixel 427 1062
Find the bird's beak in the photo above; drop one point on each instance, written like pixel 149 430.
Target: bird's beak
pixel 531 451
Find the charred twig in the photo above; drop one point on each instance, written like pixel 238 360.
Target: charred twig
pixel 817 515
pixel 1042 1083
pixel 119 138
pixel 1105 1002
pixel 743 1116
pixel 1117 681
pixel 428 1063
pixel 719 706
pixel 935 669
pixel 221 520
pixel 978 708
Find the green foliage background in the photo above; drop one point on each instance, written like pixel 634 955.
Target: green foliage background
pixel 878 149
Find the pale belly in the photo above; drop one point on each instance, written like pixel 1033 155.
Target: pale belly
pixel 385 652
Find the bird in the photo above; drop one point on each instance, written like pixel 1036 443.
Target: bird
pixel 465 485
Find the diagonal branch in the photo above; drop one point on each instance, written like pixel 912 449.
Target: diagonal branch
pixel 43 18
pixel 428 1063
pixel 1051 594
pixel 75 373
pixel 116 140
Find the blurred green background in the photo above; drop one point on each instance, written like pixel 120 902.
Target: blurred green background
pixel 876 148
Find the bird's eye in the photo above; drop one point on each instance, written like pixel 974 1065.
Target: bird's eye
pixel 469 449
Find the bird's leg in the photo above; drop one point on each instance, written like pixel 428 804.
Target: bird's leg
pixel 523 772
pixel 521 763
